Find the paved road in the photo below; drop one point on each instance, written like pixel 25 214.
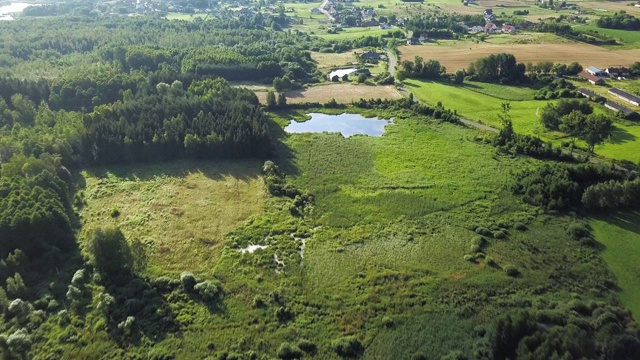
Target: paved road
pixel 393 61
pixel 325 12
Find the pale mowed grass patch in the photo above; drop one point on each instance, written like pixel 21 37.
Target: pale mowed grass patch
pixel 326 61
pixel 180 211
pixel 342 93
pixel 460 55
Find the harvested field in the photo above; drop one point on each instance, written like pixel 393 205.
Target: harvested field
pixel 327 61
pixel 343 93
pixel 459 56
pixel 612 6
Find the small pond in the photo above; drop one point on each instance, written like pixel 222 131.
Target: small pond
pixel 346 124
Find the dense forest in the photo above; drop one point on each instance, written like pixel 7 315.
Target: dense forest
pixel 620 20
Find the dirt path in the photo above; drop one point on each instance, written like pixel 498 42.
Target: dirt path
pixel 325 12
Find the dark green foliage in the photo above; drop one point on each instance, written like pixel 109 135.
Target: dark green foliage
pixel 520 226
pixel 188 281
pixel 510 142
pixel 557 88
pixel 552 114
pixel 577 231
pixel 511 270
pixel 559 186
pixel 36 215
pixel 348 346
pixel 484 231
pixel 418 69
pixel 271 100
pixel 288 351
pixel 612 195
pixel 620 20
pixel 211 120
pixel 111 254
pixel 307 346
pixel 501 68
pixel 442 26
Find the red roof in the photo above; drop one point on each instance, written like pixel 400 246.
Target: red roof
pixel 587 76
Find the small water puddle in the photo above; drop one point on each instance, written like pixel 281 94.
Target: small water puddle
pixel 251 248
pixel 346 124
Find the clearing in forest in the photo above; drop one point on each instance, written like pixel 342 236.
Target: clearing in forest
pixel 179 211
pixel 342 93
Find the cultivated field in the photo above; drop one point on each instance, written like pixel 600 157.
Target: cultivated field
pixel 342 93
pixel 611 6
pixel 459 55
pixel 180 211
pixel 325 61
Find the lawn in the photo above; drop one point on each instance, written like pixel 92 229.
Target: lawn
pixel 179 211
pixel 481 102
pixel 484 103
pixel 620 236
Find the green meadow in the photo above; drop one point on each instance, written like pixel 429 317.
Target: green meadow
pixel 387 253
pixel 482 103
pixel 627 39
pixel 620 236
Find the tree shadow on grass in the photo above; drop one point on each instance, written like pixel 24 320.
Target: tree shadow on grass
pixel 621 136
pixel 629 221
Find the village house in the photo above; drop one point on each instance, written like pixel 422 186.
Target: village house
pixel 370 55
pixel 477 29
pixel 595 71
pixel 508 29
pixel 413 41
pixel 490 28
pixel 423 38
pixel 595 80
pixel 630 98
pixel 617 71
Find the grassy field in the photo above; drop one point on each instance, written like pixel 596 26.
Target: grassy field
pixel 482 102
pixel 628 39
pixel 326 61
pixel 182 16
pixel 620 235
pixel 341 92
pixel 354 32
pixel 180 211
pixel 460 54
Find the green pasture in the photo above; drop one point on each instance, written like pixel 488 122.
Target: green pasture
pixel 483 103
pixel 620 236
pixel 629 39
pixel 353 33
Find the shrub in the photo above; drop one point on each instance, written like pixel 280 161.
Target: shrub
pixel 258 301
pixel 288 351
pixel 19 342
pixel 500 234
pixel 511 270
pixel 348 346
pixel 307 346
pixel 520 226
pixel 188 281
pixel 387 322
pixel 209 290
pixel 79 278
pixel 469 258
pixel 489 261
pixel 578 231
pixel 419 356
pixel 165 284
pixel 114 213
pixel 484 231
pixel 475 249
pixel 479 240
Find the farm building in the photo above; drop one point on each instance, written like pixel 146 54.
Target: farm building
pixel 617 71
pixel 413 41
pixel 628 113
pixel 590 95
pixel 595 80
pixel 630 98
pixel 490 28
pixel 595 71
pixel 370 55
pixel 508 29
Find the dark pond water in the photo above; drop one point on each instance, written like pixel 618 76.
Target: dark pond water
pixel 345 124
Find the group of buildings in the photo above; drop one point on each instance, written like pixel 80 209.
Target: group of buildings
pixel 596 77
